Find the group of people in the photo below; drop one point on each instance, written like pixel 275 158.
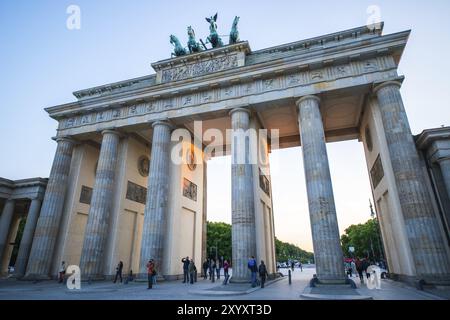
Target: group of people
pixel 189 270
pixel 210 267
pixel 359 266
pixel 254 269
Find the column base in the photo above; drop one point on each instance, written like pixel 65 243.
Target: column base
pixel 36 277
pixel 239 280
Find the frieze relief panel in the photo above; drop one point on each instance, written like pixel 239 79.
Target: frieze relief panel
pixel 199 68
pixel 232 91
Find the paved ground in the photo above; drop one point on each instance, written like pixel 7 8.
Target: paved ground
pixel 278 290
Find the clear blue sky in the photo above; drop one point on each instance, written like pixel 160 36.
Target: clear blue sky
pixel 42 63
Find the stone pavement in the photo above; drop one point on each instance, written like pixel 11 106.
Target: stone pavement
pixel 175 290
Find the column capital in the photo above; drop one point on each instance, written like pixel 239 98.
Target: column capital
pixel 240 109
pixel 308 97
pixel 397 84
pixel 163 123
pixel 111 131
pixel 64 138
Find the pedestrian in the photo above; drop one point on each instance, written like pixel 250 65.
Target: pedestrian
pixel 226 265
pixel 301 266
pixel 262 273
pixel 185 262
pixel 192 269
pixel 151 273
pixel 353 267
pixel 119 272
pixel 212 269
pixel 348 266
pixel 62 272
pixel 359 268
pixel 253 269
pixel 205 269
pixel 292 266
pixel 365 265
pixel 218 266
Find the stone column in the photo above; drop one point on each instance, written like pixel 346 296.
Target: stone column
pixel 422 228
pixel 5 223
pixel 27 237
pixel 242 202
pixel 155 214
pixel 96 232
pixel 322 211
pixel 49 219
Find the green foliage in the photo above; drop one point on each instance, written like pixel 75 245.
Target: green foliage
pixel 219 234
pixel 366 240
pixel 286 251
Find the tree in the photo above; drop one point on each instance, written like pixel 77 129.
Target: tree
pixel 366 240
pixel 219 234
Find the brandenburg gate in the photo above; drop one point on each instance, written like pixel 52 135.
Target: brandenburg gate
pixel 115 193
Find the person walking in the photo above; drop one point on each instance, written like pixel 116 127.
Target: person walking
pixel 262 273
pixel 62 272
pixel 226 266
pixel 185 262
pixel 151 272
pixel 205 269
pixel 359 268
pixel 192 269
pixel 212 270
pixel 301 266
pixel 253 269
pixel 119 272
pixel 292 265
pixel 353 265
pixel 365 265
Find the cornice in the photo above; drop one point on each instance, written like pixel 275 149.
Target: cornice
pixel 358 49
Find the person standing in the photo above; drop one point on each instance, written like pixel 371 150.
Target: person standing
pixel 62 272
pixel 218 266
pixel 301 266
pixel 192 269
pixel 292 265
pixel 151 272
pixel 253 269
pixel 205 269
pixel 185 262
pixel 119 272
pixel 226 266
pixel 262 273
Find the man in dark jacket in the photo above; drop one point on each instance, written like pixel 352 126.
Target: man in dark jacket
pixel 262 273
pixel 119 269
pixel 185 262
pixel 205 269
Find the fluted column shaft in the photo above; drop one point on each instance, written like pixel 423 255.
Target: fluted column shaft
pixel 96 232
pixel 50 217
pixel 422 228
pixel 27 237
pixel 155 215
pixel 5 223
pixel 324 226
pixel 242 198
pixel 444 164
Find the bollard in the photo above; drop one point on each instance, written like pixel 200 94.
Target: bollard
pixel 290 280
